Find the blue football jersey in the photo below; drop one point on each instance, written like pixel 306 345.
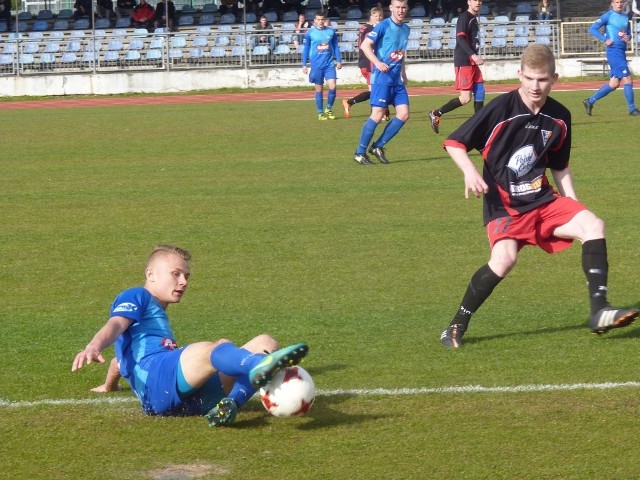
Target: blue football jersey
pixel 390 45
pixel 616 25
pixel 320 48
pixel 149 333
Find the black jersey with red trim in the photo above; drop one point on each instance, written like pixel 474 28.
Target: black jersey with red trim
pixel 517 147
pixel 467 39
pixel 363 31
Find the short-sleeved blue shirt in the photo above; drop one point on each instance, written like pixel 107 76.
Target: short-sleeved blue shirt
pixel 390 46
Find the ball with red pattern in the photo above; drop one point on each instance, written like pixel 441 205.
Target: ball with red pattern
pixel 291 392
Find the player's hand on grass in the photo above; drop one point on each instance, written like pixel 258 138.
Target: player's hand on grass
pixel 87 356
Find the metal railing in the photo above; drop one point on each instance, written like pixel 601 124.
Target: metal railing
pixel 224 46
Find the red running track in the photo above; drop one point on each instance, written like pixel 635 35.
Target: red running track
pixel 247 97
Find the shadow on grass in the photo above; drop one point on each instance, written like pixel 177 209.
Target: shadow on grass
pixel 538 331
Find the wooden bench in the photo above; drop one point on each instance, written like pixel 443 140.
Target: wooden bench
pixel 594 66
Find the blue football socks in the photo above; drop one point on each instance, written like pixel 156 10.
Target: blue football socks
pixel 390 131
pixel 628 96
pixel 368 129
pixel 232 360
pixel 319 102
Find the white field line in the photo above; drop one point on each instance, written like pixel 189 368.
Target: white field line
pixel 364 392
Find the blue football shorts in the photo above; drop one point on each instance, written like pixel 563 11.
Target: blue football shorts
pixel 385 95
pixel 167 392
pixel 317 76
pixel 617 60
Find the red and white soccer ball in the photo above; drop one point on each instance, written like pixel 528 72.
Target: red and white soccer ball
pixel 291 392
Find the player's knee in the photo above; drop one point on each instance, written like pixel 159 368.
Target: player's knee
pixel 263 343
pixel 464 99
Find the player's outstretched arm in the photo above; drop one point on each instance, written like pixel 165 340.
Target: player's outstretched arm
pixel 473 181
pixel 101 340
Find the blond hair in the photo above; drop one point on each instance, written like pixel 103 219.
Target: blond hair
pixel 538 57
pixel 165 249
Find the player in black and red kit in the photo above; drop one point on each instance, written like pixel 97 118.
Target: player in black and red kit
pixel 466 62
pixel 519 135
pixel 375 17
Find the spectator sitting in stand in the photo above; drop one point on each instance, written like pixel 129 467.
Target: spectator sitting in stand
pixel 5 11
pixel 459 6
pixel 82 8
pixel 545 10
pixel 440 9
pixel 301 28
pixel 143 15
pixel 104 9
pixel 164 20
pixel 264 34
pixel 124 8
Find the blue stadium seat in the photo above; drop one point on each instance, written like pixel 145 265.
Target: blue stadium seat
pixel 81 24
pixel 250 17
pixel 153 55
pixel 52 47
pixel 31 47
pixel 124 22
pixel 227 18
pixel 61 25
pixel 65 14
pixel 209 8
pixel 354 13
pixel 196 54
pixel 207 19
pixel 44 15
pixel 111 56
pixel 200 42
pixel 73 46
pixel 186 20
pixel 102 23
pixel 132 56
pixel 40 26
pixel 218 52
pixel 272 16
pixel 69 57
pixel 290 16
pixel 176 54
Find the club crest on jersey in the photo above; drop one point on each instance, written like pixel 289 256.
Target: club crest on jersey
pixel 546 135
pixel 396 56
pixel 522 161
pixel 169 343
pixel 126 307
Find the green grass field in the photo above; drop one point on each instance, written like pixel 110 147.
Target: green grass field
pixel 291 237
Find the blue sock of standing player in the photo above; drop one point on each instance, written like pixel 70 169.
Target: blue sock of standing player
pixel 390 131
pixel 628 96
pixel 234 361
pixel 603 91
pixel 331 98
pixel 319 102
pixel 368 129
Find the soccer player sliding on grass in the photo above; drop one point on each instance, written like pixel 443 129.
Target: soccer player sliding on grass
pixel 204 378
pixel 520 134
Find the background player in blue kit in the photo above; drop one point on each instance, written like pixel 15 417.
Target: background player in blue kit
pixel 204 378
pixel 322 51
pixel 616 36
pixel 386 48
pixel 519 135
